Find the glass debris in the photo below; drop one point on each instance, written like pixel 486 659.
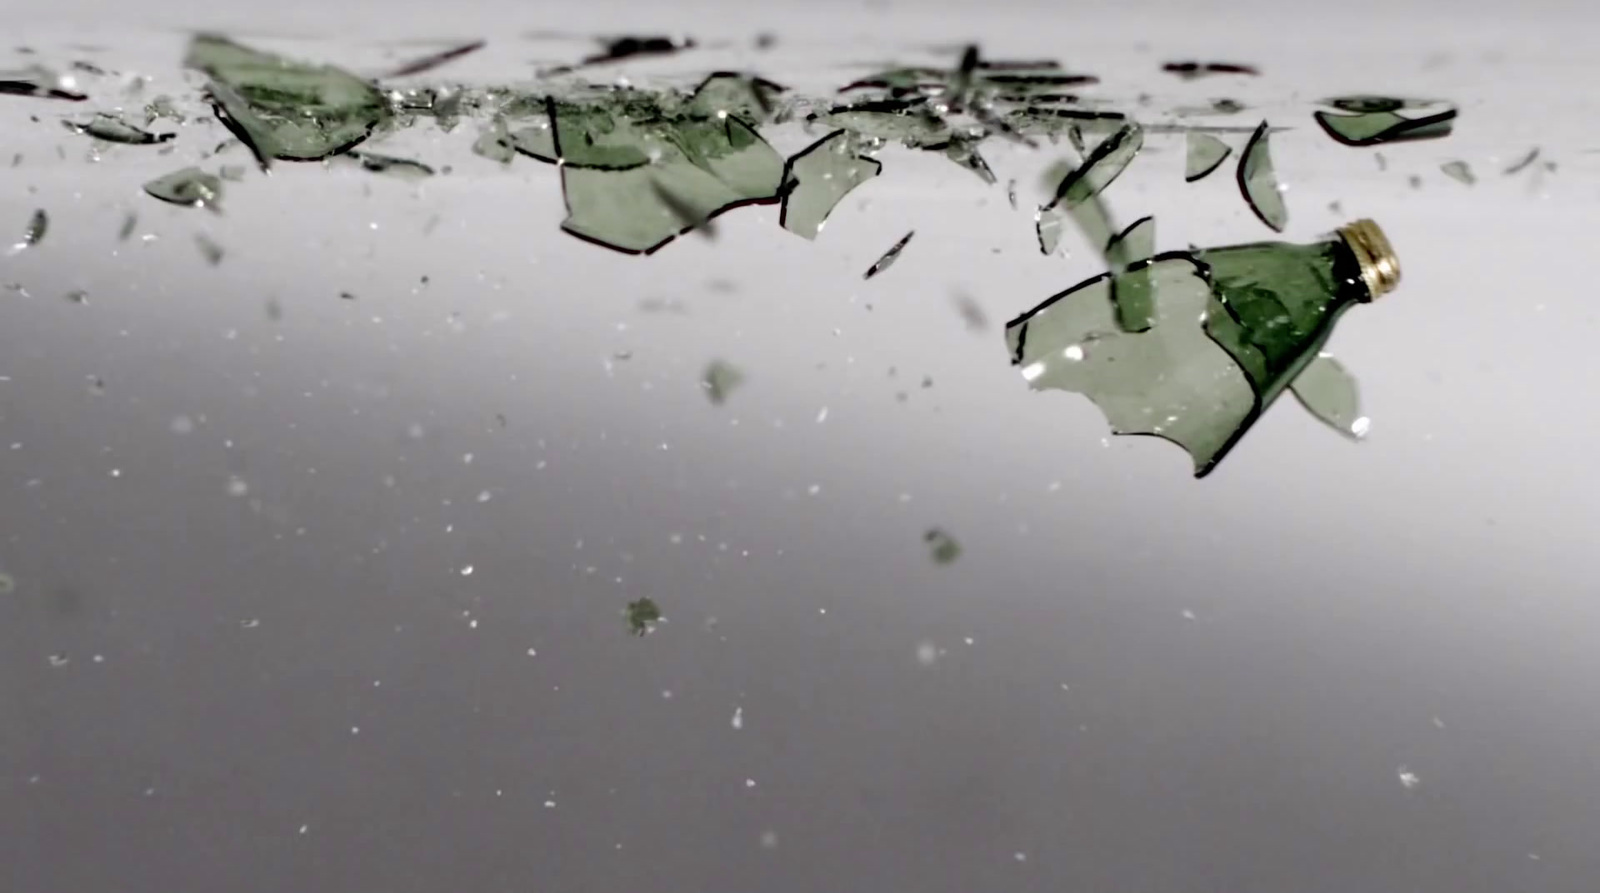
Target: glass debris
pixel 1372 120
pixel 615 49
pixel 971 313
pixel 40 82
pixel 1526 160
pixel 942 547
pixel 283 109
pixel 643 615
pixel 129 221
pixel 1205 154
pixel 113 129
pixel 209 249
pixel 430 62
pixel 1131 285
pixel 33 233
pixel 1330 393
pixel 1459 171
pixel 719 380
pixel 1191 70
pixel 162 107
pixel 190 186
pixel 730 93
pixel 889 257
pixel 402 168
pixel 818 177
pixel 496 144
pixel 1076 193
pixel 1264 312
pixel 1259 184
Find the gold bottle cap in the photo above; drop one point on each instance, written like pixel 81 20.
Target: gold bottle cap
pixel 1380 269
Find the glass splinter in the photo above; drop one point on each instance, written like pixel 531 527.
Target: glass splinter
pixel 643 615
pixel 1330 393
pixel 428 63
pixel 209 249
pixel 818 177
pixel 1259 184
pixel 113 129
pixel 128 224
pixel 33 233
pixel 1459 171
pixel 889 257
pixel 283 109
pixel 1191 70
pixel 942 547
pixel 1205 154
pixel 1518 167
pixel 39 82
pixel 403 168
pixel 1083 184
pixel 190 186
pixel 719 380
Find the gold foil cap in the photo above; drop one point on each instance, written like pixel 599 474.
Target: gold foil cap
pixel 1380 269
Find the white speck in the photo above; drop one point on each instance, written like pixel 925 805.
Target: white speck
pixel 814 489
pixel 473 623
pixel 99 658
pixel 1020 856
pixel 485 496
pixel 927 653
pixel 822 415
pixel 967 640
pixel 59 660
pixel 466 571
pixel 1055 486
pixel 549 804
pixel 1361 426
pixel 182 425
pixel 304 828
pixel 1438 723
pixel 237 487
pixel 666 694
pixel 1408 779
pixel 466 459
pixel 416 431
pixel 738 718
pixel 532 652
pixel 1032 371
pixel 769 840
pixel 1066 687
pixel 1188 614
pixel 116 472
pixel 249 623
pixel 749 782
pixel 1533 856
pixel 1074 352
pixel 355 730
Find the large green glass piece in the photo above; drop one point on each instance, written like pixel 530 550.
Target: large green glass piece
pixel 283 109
pixel 1226 331
pixel 1373 120
pixel 818 177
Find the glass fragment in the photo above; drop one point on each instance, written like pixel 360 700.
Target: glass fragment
pixel 1522 164
pixel 209 249
pixel 725 93
pixel 495 144
pixel 130 221
pixel 41 83
pixel 1077 192
pixel 1132 290
pixel 1330 393
pixel 643 615
pixel 33 233
pixel 112 129
pixel 1191 70
pixel 889 257
pixel 282 109
pixel 1259 184
pixel 719 380
pixel 1458 171
pixel 818 177
pixel 1205 154
pixel 942 547
pixel 430 62
pixel 401 168
pixel 162 107
pixel 1372 120
pixel 190 186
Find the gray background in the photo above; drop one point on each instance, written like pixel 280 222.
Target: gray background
pixel 280 676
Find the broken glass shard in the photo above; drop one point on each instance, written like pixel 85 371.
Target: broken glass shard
pixel 495 144
pixel 911 122
pixel 1264 312
pixel 942 547
pixel 693 216
pixel 971 313
pixel 33 233
pixel 1205 154
pixel 1372 120
pixel 161 107
pixel 40 82
pixel 401 168
pixel 430 62
pixel 1521 165
pixel 128 223
pixel 190 186
pixel 730 93
pixel 818 177
pixel 209 249
pixel 1132 289
pixel 1330 393
pixel 1259 184
pixel 1459 171
pixel 113 129
pixel 283 109
pixel 1191 70
pixel 719 380
pixel 889 257
pixel 643 615
pixel 1076 193
pixel 963 150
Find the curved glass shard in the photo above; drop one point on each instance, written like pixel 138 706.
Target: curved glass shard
pixel 1170 380
pixel 1259 184
pixel 818 177
pixel 1205 154
pixel 1076 193
pixel 1458 171
pixel 283 109
pixel 391 165
pixel 889 257
pixel 1330 393
pixel 1373 120
pixel 190 186
pixel 113 129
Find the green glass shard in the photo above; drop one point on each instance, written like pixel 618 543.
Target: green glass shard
pixel 1367 120
pixel 1132 289
pixel 942 547
pixel 912 123
pixel 719 380
pixel 1459 171
pixel 495 144
pixel 963 150
pixel 1170 380
pixel 113 129
pixel 1077 193
pixel 33 233
pixel 889 257
pixel 731 93
pixel 818 177
pixel 402 168
pixel 283 109
pixel 1329 392
pixel 643 615
pixel 1205 154
pixel 190 186
pixel 1259 184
